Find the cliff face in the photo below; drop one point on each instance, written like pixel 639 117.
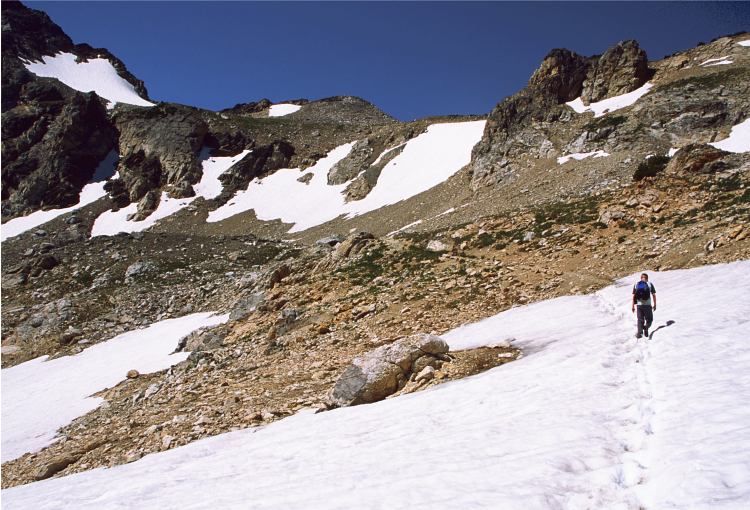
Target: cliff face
pixel 54 137
pixel 519 125
pixel 688 99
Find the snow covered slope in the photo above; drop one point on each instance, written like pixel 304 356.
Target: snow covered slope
pixel 282 109
pixel 90 193
pixel 738 140
pixel 41 395
pixel 589 418
pixel 97 75
pixel 110 223
pixel 425 162
pixel 610 104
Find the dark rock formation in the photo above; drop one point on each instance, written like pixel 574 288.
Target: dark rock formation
pixel 261 161
pixel 53 141
pixel 159 147
pixel 512 127
pixel 29 35
pixel 697 158
pixel 53 136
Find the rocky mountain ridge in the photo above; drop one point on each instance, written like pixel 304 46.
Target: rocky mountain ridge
pixel 553 202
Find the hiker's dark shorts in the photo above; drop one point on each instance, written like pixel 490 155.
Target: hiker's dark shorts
pixel 645 317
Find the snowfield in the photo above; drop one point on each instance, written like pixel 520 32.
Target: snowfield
pixel 282 109
pixel 589 418
pixel 90 193
pixel 110 223
pixel 97 75
pixel 425 162
pixel 578 156
pixel 716 62
pixel 738 140
pixel 41 395
pixel 611 103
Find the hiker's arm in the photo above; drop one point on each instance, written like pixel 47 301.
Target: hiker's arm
pixel 632 308
pixel 653 295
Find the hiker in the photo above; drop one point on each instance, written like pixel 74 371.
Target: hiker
pixel 642 293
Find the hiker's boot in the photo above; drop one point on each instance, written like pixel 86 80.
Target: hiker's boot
pixel 645 333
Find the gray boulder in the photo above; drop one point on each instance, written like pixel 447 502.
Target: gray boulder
pixel 139 268
pixel 385 370
pixel 246 305
pixel 353 245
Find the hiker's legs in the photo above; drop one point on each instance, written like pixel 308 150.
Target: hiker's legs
pixel 641 316
pixel 649 316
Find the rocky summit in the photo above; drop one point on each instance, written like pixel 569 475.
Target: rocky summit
pixel 333 243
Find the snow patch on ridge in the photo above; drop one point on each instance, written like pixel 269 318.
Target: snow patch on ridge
pixel 716 61
pixel 110 223
pixel 738 139
pixel 610 104
pixel 90 193
pixel 42 395
pixel 96 75
pixel 425 162
pixel 578 156
pixel 279 110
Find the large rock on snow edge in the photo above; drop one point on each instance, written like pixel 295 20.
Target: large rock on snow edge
pixel 385 370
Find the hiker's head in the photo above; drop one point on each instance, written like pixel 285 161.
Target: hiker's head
pixel 644 277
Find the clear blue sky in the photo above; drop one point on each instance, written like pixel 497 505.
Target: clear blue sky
pixel 410 59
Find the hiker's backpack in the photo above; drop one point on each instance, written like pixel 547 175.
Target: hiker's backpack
pixel 642 291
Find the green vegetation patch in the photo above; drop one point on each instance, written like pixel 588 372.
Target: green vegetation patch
pixel 417 253
pixel 366 268
pixel 577 212
pixel 707 81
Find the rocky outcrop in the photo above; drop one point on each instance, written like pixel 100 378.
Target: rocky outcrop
pixel 159 147
pixel 348 248
pixel 697 158
pixel 621 69
pixel 29 34
pixel 53 136
pixel 387 369
pixel 262 161
pixel 359 158
pixel 362 167
pixel 53 141
pixel 520 126
pixel 343 110
pixel 254 108
pixel 559 78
